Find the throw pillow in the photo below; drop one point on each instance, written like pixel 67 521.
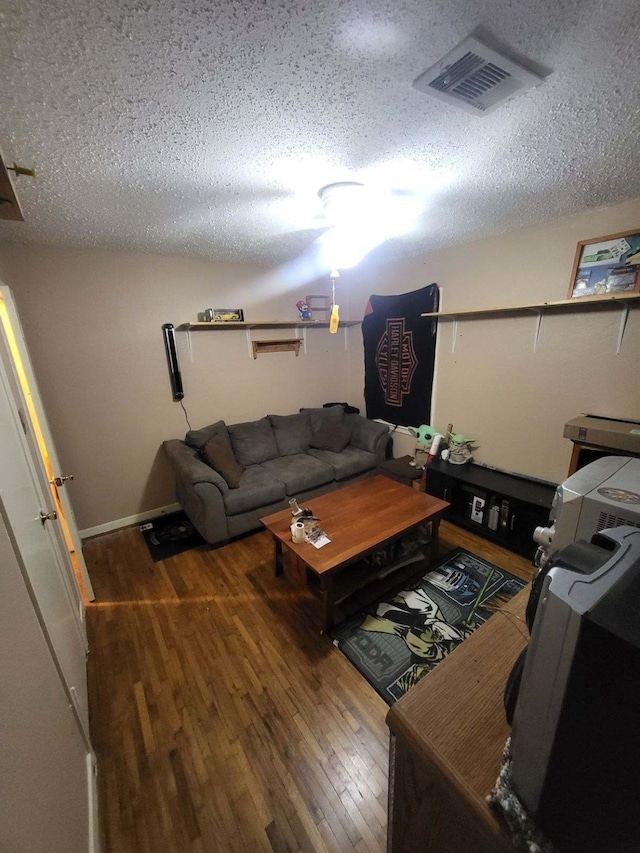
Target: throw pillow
pixel 332 435
pixel 292 433
pixel 197 438
pixel 253 442
pixel 218 454
pixel 318 416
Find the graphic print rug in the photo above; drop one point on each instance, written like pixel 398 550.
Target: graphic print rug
pixel 396 641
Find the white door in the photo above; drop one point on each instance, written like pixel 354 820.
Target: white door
pixel 47 795
pixel 30 511
pixel 26 392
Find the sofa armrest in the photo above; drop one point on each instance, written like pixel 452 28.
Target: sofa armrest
pixel 189 467
pixel 370 436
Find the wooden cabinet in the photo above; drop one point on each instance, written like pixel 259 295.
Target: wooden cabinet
pixel 447 736
pixel 582 454
pixel 505 508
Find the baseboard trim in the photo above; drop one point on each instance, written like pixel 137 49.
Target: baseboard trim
pixel 128 521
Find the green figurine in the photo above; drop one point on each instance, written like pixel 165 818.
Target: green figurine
pixel 425 435
pixel 458 451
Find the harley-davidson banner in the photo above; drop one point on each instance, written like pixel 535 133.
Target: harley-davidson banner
pixel 399 356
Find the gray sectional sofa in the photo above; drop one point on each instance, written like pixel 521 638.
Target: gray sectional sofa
pixel 278 457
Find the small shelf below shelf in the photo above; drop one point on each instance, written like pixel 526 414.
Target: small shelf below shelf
pixel 535 307
pixel 264 324
pixel 289 345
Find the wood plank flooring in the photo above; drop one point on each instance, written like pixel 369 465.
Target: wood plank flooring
pixel 221 718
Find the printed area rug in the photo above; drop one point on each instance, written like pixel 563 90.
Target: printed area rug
pixel 396 641
pixel 169 535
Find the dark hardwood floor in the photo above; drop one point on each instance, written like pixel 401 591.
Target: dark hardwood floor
pixel 221 718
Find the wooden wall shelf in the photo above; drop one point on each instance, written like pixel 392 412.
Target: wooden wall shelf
pixel 264 324
pixel 267 346
pixel 535 307
pixel 623 300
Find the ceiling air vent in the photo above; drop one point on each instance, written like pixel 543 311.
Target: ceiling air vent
pixel 475 78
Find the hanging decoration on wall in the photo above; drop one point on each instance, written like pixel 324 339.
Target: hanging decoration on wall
pixel 169 336
pixel 399 356
pixel 335 318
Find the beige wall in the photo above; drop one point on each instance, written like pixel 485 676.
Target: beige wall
pixel 514 401
pixel 92 321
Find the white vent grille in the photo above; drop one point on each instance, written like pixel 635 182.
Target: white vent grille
pixel 475 78
pixel 606 520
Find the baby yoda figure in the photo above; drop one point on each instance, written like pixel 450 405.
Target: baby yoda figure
pixel 458 451
pixel 425 435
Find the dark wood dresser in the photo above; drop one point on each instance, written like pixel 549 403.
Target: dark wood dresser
pixel 447 737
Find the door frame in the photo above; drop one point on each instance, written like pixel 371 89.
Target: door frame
pixel 29 404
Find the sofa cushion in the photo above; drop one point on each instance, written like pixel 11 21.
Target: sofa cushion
pixel 253 442
pixel 299 472
pixel 318 416
pixel 347 464
pixel 197 438
pixel 258 488
pixel 218 453
pixel 333 434
pixel 292 433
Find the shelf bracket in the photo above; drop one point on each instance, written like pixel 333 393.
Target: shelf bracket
pixel 249 345
pixel 623 325
pixel 190 345
pixel 538 329
pixel 455 335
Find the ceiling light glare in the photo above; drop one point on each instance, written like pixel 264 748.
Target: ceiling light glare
pixel 343 248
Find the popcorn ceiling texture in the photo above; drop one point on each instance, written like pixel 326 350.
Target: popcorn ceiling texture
pixel 205 127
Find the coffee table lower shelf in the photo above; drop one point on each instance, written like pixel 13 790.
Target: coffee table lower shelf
pixel 356 586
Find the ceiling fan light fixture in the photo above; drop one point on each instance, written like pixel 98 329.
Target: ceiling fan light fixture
pixel 343 202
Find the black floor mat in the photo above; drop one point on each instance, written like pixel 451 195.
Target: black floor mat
pixel 169 535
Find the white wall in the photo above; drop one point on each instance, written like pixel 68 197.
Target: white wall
pixel 93 324
pixel 494 387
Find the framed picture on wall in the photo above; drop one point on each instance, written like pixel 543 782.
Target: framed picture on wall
pixel 608 264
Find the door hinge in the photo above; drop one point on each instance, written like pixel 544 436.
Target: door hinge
pixel 23 421
pixel 48 516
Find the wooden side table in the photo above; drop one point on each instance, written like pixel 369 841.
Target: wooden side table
pixel 400 470
pixel 447 737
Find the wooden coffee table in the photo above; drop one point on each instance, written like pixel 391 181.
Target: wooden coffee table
pixel 358 519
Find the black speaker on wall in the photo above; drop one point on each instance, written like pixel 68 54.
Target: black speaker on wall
pixel 169 335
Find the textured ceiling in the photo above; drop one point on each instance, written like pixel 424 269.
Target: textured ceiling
pixel 205 127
